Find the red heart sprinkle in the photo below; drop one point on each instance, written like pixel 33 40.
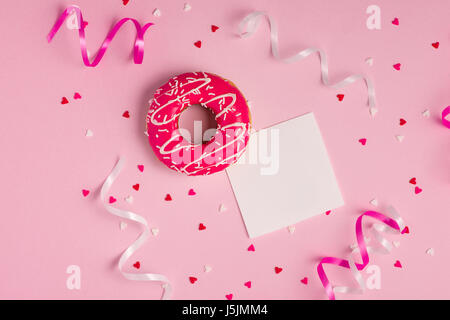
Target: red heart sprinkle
pixel 363 141
pixel 397 264
pixel 137 265
pixel 192 279
pixel 168 197
pixel 278 270
pixel 191 192
pixel 397 66
pixel 198 44
pixel 417 190
pixel 251 248
pixel 112 199
pixel 412 180
pixel 84 24
pixel 229 296
pixel 201 226
pixel 405 230
pixel 214 28
pixel 64 100
pixel 395 21
pixel 85 192
pixel 126 114
pixel 304 280
pixel 76 96
pixel 340 97
pixel 125 2
pixel 136 187
pixel 402 121
pixel 141 167
pixel 435 45
pixel 328 212
pixel 248 284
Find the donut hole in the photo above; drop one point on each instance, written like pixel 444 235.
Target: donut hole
pixel 197 124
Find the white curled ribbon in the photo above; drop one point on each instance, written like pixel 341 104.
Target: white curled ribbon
pixel 358 277
pixel 139 241
pixel 248 27
pixel 385 247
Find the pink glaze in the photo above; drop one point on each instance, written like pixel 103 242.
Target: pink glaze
pixel 231 113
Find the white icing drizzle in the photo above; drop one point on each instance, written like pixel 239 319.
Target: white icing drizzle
pixel 160 123
pixel 196 165
pixel 241 125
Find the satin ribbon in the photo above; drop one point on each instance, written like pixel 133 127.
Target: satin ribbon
pixel 393 224
pixel 445 113
pixel 248 27
pixel 138 43
pixel 140 240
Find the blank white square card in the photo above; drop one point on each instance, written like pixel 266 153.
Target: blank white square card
pixel 284 177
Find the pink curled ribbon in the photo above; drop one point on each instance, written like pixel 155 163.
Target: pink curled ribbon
pixel 138 43
pixel 445 113
pixel 395 224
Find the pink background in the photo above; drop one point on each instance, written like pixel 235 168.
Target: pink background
pixel 46 160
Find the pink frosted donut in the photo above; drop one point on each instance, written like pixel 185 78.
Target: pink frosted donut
pixel 231 113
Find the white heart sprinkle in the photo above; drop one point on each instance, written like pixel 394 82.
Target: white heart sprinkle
pixel 373 111
pixel 157 12
pixel 426 113
pixel 89 133
pixel 430 251
pixel 155 231
pixel 129 199
pixel 369 61
pixel 222 208
pixel 207 268
pixel 399 138
pixel 291 229
pixel 374 202
pixel 396 244
pixel 187 7
pixel 123 225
